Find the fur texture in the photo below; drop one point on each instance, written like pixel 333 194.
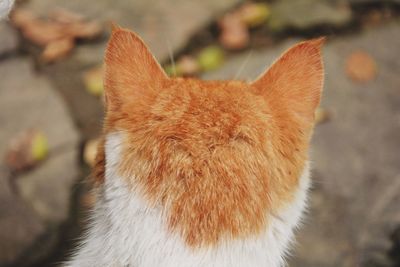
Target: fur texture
pixel 200 173
pixel 125 231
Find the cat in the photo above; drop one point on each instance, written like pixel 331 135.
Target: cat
pixel 194 173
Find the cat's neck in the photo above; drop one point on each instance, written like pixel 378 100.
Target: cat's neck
pixel 125 232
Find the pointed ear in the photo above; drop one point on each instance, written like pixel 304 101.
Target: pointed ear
pixel 131 71
pixel 294 82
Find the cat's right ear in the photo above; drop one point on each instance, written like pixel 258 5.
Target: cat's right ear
pixel 293 84
pixel 131 71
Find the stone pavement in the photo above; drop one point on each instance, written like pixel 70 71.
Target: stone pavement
pixel 355 204
pixel 8 42
pixel 33 205
pixel 304 14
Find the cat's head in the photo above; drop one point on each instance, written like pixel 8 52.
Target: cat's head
pixel 217 156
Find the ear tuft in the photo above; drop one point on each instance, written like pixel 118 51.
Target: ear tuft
pixel 131 71
pixel 294 82
pixel 115 27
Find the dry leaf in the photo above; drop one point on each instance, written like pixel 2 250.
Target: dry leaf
pixel 210 58
pixel 234 33
pixel 65 16
pixel 34 29
pixel 84 30
pixel 42 33
pixel 254 14
pixel 361 67
pixel 188 66
pixel 26 150
pixel 185 66
pixel 22 17
pixel 93 80
pixel 90 152
pixel 57 49
pixel 322 115
pixel 58 34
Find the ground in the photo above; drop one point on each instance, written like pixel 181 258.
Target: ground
pixel 354 210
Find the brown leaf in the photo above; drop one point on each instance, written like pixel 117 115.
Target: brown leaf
pixel 188 66
pixel 361 67
pixel 57 49
pixel 57 34
pixel 41 33
pixel 22 17
pixel 234 32
pixel 35 29
pixel 64 16
pixel 84 30
pixel 26 150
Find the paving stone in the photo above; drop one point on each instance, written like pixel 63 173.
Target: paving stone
pixel 8 39
pixel 304 14
pixel 48 188
pixel 355 205
pixel 34 205
pixel 19 225
pixel 374 1
pixel 28 98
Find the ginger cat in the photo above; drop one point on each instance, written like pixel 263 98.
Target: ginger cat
pixel 195 173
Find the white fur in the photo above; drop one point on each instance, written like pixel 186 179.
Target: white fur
pixel 125 232
pixel 5 7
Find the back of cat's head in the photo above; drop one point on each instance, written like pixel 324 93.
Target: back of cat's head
pixel 218 156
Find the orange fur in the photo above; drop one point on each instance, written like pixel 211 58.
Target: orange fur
pixel 99 168
pixel 217 156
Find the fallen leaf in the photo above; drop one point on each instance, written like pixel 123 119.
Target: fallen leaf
pixel 57 34
pixel 34 29
pixel 188 66
pixel 90 151
pixel 22 17
pixel 57 49
pixel 61 15
pixel 254 14
pixel 40 147
pixel 234 32
pixel 93 80
pixel 361 67
pixel 185 66
pixel 210 58
pixel 322 115
pixel 42 33
pixel 26 150
pixel 84 30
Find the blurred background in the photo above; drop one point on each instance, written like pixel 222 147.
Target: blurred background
pixel 51 112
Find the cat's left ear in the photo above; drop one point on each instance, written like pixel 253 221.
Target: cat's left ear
pixel 293 84
pixel 131 71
